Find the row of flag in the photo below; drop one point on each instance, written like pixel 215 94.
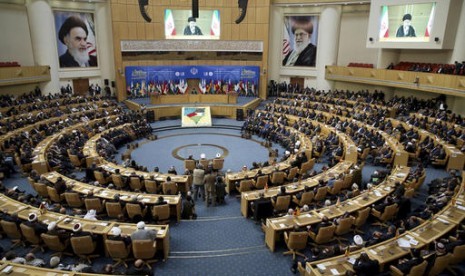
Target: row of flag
pixel 180 87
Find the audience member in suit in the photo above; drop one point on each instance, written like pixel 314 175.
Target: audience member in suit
pixel 209 183
pixel 324 222
pixel 143 234
pixel 282 192
pixel 60 185
pixel 261 207
pixel 197 182
pixel 138 269
pixel 188 208
pixel 364 266
pixel 405 264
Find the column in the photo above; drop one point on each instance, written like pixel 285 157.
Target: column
pixel 328 43
pixel 104 41
pixel 43 39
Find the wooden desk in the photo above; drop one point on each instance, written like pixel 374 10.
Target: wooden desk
pixel 276 226
pixel 194 98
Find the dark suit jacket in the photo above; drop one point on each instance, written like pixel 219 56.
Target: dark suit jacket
pixel 401 33
pixel 67 60
pixel 306 58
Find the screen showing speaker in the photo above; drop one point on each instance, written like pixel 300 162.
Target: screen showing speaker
pixel 413 24
pixel 181 24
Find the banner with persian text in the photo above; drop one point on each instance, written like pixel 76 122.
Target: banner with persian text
pixel 172 80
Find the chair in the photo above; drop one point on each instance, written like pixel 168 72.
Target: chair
pixel 41 189
pixel 307 166
pixel 135 183
pixel 337 187
pixel 54 243
pixel 389 213
pixel 306 199
pixel 419 182
pixel 114 209
pixel 440 162
pixel 321 194
pixel 218 164
pixel 134 209
pixel 75 160
pixel 118 251
pixel 295 241
pixel 292 173
pixel 118 180
pixel 161 213
pixel 100 177
pixel 440 263
pixel 409 192
pixel 361 218
pixel 13 233
pixel 94 204
pixel 204 163
pixel 31 236
pixel 344 227
pixel 458 255
pixel 281 204
pixel 145 250
pixel 324 235
pixel 261 182
pixel 54 196
pixel 348 181
pixel 245 185
pixel 170 188
pixel 364 154
pixel 189 164
pixel 418 270
pixel 277 178
pixel 83 247
pixel 73 200
pixel 151 186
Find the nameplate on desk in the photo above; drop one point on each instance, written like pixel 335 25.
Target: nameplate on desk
pixel 334 271
pixel 460 207
pixel 443 221
pixel 321 266
pixel 373 252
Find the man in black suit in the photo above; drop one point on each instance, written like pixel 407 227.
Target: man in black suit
pixel 406 30
pixel 73 33
pixel 304 52
pixel 366 266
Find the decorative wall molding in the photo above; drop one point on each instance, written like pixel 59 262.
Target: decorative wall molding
pixel 190 46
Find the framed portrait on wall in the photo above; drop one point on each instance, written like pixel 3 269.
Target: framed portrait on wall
pixel 76 39
pixel 300 37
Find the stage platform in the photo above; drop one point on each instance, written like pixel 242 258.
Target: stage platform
pixel 163 111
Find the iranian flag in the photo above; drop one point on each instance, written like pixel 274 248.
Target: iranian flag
pixel 384 29
pixel 286 41
pixel 215 27
pixel 170 30
pixel 430 21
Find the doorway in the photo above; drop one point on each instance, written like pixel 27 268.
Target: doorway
pixel 81 87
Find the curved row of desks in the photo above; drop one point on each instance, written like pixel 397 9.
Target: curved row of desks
pixel 276 226
pixel 98 227
pixel 386 252
pixel 108 194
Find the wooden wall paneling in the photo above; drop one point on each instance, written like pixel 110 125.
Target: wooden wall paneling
pixel 235 32
pixel 262 15
pixel 149 31
pixel 133 12
pixel 141 30
pixel 243 34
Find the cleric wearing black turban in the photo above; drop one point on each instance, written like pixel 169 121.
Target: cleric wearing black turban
pixel 73 33
pixel 406 29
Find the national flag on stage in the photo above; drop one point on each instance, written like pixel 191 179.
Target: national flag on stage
pixel 430 21
pixel 384 29
pixel 170 29
pixel 215 27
